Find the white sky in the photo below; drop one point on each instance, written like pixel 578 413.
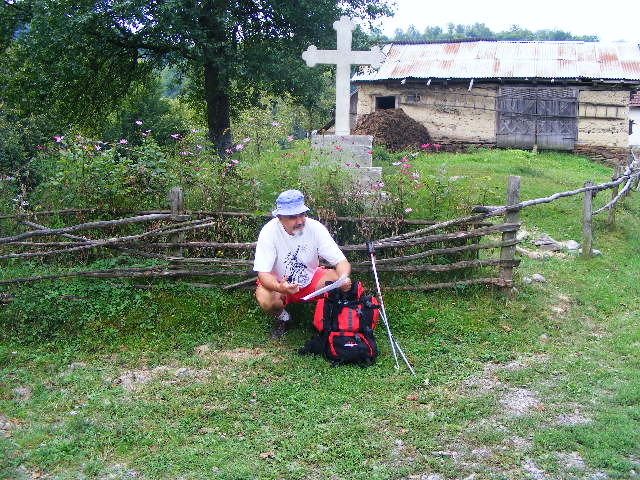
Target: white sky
pixel 611 20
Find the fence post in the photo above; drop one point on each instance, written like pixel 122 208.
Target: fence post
pixel 176 199
pixel 508 253
pixel 611 218
pixel 587 234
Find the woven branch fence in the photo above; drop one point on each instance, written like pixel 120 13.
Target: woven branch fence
pixel 415 253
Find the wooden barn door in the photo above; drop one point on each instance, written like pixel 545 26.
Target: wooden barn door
pixel 537 115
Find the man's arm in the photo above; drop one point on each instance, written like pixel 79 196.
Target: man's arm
pixel 268 281
pixel 343 267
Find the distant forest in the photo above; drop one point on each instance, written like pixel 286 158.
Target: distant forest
pixel 479 31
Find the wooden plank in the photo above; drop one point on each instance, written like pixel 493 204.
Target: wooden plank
pixel 487 262
pixel 434 286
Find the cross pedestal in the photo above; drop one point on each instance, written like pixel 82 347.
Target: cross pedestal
pixel 352 151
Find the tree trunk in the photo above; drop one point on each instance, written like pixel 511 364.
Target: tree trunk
pixel 218 113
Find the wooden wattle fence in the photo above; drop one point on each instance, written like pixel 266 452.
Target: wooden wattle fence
pixel 433 249
pixel 438 250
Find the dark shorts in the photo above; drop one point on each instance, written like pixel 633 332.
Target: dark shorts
pixel 312 287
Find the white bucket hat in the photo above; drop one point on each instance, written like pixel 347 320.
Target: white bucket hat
pixel 290 202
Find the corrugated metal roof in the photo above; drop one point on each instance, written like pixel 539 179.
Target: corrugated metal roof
pixel 508 59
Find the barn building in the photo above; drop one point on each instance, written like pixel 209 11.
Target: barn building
pixel 554 95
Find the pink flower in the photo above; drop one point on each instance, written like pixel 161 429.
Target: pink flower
pixel 251 119
pixel 78 137
pixel 415 175
pixel 228 150
pixel 97 147
pixel 175 135
pixel 275 124
pixel 183 153
pixel 425 145
pixel 338 147
pixel 239 146
pixel 408 210
pixel 197 169
pixel 406 165
pixel 138 122
pixel 436 146
pixel 246 140
pixel 395 164
pixel 290 138
pixel 233 160
pixel 193 130
pixel 123 141
pixel 58 138
pixel 370 152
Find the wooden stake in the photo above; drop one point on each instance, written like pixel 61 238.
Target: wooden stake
pixel 587 233
pixel 511 217
pixel 176 199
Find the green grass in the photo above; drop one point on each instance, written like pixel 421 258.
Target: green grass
pixel 252 408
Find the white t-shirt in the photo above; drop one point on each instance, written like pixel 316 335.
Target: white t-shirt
pixel 295 256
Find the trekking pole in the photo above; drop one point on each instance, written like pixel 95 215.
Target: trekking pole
pixel 372 253
pixel 404 357
pixel 395 348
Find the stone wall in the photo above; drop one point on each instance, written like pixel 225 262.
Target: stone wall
pixel 448 125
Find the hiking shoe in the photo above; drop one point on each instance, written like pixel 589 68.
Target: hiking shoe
pixel 279 329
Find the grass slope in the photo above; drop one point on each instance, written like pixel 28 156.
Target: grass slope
pixel 176 382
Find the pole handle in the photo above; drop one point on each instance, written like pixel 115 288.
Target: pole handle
pixel 370 248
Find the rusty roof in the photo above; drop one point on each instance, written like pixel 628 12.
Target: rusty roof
pixel 508 59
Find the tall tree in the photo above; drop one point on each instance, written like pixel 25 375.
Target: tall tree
pixel 78 57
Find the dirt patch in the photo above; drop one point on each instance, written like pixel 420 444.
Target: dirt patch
pixel 520 401
pixel 532 469
pixel 133 379
pixel 22 393
pixel 6 426
pixel 394 129
pixel 561 305
pixel 119 472
pixel 571 460
pixel 573 418
pixel 236 355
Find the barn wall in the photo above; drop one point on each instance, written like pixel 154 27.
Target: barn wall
pixel 605 139
pixel 458 124
pixel 600 131
pixel 634 138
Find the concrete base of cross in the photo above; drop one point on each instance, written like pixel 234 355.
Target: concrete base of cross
pixel 353 152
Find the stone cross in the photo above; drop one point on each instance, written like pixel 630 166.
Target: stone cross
pixel 343 57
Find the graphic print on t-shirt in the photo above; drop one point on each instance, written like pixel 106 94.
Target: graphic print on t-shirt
pixel 296 270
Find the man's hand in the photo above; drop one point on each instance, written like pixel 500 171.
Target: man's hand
pixel 346 286
pixel 288 288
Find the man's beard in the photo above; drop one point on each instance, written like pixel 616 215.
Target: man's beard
pixel 298 230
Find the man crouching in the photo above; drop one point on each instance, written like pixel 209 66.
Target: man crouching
pixel 287 259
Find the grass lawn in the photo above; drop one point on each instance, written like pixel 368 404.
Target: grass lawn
pixel 102 380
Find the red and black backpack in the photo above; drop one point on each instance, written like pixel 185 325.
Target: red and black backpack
pixel 345 322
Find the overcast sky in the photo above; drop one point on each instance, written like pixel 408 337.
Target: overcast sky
pixel 611 20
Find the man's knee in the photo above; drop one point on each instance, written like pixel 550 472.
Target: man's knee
pixel 269 301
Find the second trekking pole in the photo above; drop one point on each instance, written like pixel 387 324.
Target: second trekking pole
pixel 395 348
